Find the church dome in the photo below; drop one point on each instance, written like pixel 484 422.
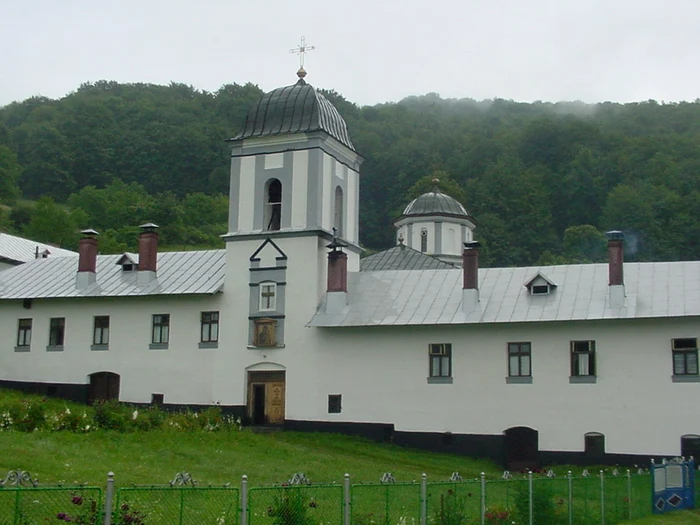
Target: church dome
pixel 294 109
pixel 435 203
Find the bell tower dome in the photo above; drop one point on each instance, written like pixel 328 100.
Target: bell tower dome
pixel 436 224
pixel 294 169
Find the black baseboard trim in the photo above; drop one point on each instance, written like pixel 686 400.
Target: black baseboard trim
pixel 71 392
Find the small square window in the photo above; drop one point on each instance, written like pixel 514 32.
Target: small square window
pixel 583 358
pixel 24 333
pixel 440 356
pixel 540 289
pixel 101 330
pixel 210 327
pixel 57 331
pixel 268 297
pixel 161 329
pixel 685 357
pixel 335 403
pixel 157 399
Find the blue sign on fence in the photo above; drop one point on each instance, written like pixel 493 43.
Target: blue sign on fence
pixel 672 485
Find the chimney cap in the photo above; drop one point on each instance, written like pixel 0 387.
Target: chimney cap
pixel 149 226
pixel 472 245
pixel 615 235
pixel 89 232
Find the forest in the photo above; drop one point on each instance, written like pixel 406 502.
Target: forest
pixel 543 180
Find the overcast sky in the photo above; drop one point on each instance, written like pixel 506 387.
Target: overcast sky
pixel 368 50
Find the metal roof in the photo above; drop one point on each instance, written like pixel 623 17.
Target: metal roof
pixel 294 109
pixel 401 258
pixel 195 272
pixel 20 250
pixel 435 203
pixel 433 297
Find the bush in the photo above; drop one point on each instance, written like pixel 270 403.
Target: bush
pixel 291 507
pixel 451 510
pixel 110 415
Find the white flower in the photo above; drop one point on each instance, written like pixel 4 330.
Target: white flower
pixel 67 410
pixel 135 414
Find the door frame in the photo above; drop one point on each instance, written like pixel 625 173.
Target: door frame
pixel 267 378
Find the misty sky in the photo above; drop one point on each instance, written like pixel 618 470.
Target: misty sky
pixel 368 50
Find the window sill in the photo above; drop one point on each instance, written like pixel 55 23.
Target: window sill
pixel 440 380
pixel 99 347
pixel 583 379
pixel 209 344
pixel 519 380
pixel 158 346
pixel 54 348
pixel 271 347
pixel 688 378
pixel 22 348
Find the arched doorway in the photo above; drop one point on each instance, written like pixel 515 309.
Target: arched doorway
pixel 521 448
pixel 594 447
pixel 690 446
pixel 104 386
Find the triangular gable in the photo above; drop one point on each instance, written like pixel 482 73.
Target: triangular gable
pixel 540 278
pixel 128 258
pixel 268 255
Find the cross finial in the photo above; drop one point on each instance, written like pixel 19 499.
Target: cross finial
pixel 301 50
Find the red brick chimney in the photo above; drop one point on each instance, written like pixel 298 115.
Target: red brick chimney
pixel 616 259
pixel 148 253
pixel 87 259
pixel 148 248
pixel 470 270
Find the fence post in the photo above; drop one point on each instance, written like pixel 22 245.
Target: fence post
pixel 244 500
pixel 346 499
pixel 570 479
pixel 424 499
pixel 629 494
pixel 602 498
pixel 108 498
pixel 483 498
pixel 531 520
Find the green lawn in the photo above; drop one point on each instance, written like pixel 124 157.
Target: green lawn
pixel 672 518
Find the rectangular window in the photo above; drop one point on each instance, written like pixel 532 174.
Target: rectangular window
pixel 161 329
pixel 519 361
pixel 335 403
pixel 685 357
pixel 268 296
pixel 210 327
pixel 440 360
pixel 582 358
pixel 100 334
pixel 24 333
pixel 57 331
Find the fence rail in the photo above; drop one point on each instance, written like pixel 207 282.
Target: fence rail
pixel 525 499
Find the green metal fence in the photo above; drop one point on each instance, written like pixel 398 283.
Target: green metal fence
pixel 386 504
pixel 177 505
pixel 296 505
pixel 39 505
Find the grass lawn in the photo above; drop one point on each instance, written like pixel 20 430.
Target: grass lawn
pixel 218 457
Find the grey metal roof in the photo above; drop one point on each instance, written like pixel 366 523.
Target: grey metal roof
pixel 20 250
pixel 195 272
pixel 427 297
pixel 294 109
pixel 435 203
pixel 401 258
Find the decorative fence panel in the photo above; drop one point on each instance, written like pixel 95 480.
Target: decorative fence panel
pixel 39 505
pixel 296 505
pixel 454 502
pixel 386 504
pixel 177 505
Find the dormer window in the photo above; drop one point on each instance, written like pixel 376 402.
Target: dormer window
pixel 540 289
pixel 540 285
pixel 128 263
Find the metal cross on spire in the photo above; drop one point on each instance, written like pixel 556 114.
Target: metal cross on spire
pixel 301 50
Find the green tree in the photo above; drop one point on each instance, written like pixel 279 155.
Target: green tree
pixel 10 171
pixel 50 223
pixel 584 244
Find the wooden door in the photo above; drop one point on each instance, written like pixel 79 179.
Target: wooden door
pixel 266 398
pixel 104 386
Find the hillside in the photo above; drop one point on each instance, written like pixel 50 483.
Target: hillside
pixel 543 179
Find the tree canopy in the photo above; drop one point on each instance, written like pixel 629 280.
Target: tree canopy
pixel 543 180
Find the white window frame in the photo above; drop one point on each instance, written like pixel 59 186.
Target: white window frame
pixel 262 298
